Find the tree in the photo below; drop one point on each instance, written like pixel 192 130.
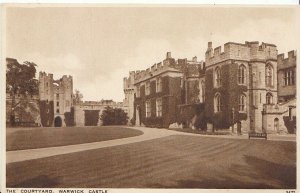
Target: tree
pixel 114 116
pixel 20 80
pixel 77 97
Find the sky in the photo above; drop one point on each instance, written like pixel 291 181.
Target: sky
pixel 98 46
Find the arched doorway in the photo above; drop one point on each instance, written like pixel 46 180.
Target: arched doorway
pixel 57 122
pixel 276 124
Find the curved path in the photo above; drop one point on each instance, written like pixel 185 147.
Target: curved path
pixel 29 154
pixel 149 133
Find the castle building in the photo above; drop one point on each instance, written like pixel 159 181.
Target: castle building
pixel 129 91
pixel 239 86
pixel 287 76
pixel 88 113
pixel 239 80
pixel 160 89
pixel 59 109
pixel 56 100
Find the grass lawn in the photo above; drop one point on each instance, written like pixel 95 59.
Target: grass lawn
pixel 49 137
pixel 169 162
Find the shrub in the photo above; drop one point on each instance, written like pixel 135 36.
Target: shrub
pixel 114 116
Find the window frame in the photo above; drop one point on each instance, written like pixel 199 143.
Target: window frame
pixel 242 103
pixel 217 103
pixel 138 91
pixel 159 107
pixel 158 84
pixel 217 75
pixel 147 88
pixel 269 98
pixel 242 74
pixel 148 108
pixel 269 75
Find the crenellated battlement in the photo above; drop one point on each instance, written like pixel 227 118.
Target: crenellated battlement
pixel 169 64
pixel 289 61
pixel 45 75
pixel 110 103
pixel 237 51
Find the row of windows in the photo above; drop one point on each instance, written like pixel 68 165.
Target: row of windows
pixel 158 88
pixel 242 102
pixel 218 103
pixel 269 75
pixel 289 77
pixel 158 108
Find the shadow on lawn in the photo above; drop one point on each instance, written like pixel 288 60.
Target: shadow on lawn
pixel 41 181
pixel 261 173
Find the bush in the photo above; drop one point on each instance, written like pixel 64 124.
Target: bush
pixel 114 116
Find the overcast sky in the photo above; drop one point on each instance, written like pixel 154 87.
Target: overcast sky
pixel 99 46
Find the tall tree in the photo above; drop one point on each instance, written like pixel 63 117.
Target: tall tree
pixel 77 97
pixel 20 80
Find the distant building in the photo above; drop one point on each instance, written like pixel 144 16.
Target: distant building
pixel 88 113
pixel 129 91
pixel 56 99
pixel 58 107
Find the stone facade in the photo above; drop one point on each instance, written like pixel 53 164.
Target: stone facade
pixel 129 91
pixel 255 60
pixel 87 107
pixel 238 86
pixel 287 76
pixel 159 90
pixel 56 99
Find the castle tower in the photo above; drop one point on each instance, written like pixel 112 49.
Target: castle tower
pixel 129 91
pixel 241 80
pixel 46 103
pixel 55 99
pixel 63 99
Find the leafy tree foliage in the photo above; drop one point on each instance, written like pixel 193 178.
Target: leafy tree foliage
pixel 114 116
pixel 20 80
pixel 77 97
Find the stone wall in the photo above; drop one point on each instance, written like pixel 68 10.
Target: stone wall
pixel 286 92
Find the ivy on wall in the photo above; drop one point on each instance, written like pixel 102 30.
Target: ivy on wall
pixel 46 113
pixel 69 118
pixel 91 117
pixel 229 91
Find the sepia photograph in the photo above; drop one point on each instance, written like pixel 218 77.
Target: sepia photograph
pixel 151 96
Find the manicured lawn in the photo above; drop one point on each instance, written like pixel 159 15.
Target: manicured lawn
pixel 50 137
pixel 169 162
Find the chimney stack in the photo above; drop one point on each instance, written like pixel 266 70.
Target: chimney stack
pixel 168 55
pixel 209 45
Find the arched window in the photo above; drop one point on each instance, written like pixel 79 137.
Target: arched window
pixel 202 92
pixel 269 98
pixel 217 103
pixel 242 74
pixel 269 75
pixel 242 103
pixel 217 77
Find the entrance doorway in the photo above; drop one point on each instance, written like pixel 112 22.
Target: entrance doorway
pixel 57 122
pixel 276 124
